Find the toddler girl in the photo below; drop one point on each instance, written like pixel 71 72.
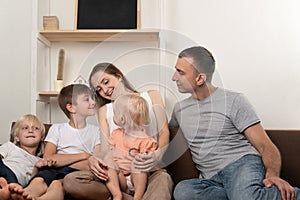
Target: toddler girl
pixel 131 113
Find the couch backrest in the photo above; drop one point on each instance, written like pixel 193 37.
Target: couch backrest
pixel 287 141
pixel 183 166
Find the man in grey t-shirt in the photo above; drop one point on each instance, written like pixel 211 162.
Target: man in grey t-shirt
pixel 235 157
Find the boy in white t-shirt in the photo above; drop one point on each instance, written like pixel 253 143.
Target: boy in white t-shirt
pixel 69 144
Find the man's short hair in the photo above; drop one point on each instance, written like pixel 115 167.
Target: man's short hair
pixel 203 60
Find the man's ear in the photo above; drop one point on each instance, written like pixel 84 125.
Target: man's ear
pixel 200 79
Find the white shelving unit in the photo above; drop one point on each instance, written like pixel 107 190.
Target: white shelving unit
pixel 47 42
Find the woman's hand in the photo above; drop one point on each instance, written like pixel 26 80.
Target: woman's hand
pixel 98 168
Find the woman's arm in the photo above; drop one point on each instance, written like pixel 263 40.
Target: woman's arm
pixel 147 162
pixel 161 118
pixel 96 163
pixel 102 120
pixel 97 166
pixel 104 129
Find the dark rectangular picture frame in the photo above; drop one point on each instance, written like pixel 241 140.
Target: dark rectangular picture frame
pixel 107 14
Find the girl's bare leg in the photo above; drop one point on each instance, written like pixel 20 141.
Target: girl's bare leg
pixel 113 184
pixel 123 183
pixel 139 181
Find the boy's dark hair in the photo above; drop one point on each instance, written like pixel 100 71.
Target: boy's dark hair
pixel 69 94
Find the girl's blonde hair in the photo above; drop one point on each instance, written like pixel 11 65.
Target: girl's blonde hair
pixel 31 119
pixel 134 108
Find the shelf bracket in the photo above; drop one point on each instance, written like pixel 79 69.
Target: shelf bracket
pixel 44 40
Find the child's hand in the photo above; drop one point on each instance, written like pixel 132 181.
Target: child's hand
pixel 45 162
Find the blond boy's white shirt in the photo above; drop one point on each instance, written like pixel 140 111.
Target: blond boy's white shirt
pixel 19 161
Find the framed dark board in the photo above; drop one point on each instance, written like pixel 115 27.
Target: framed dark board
pixel 107 14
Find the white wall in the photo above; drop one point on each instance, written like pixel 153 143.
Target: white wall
pixel 15 59
pixel 256 45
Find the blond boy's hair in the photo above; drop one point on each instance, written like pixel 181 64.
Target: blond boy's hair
pixel 31 119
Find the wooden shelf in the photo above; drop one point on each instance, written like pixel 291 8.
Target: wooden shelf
pixel 98 35
pixel 48 93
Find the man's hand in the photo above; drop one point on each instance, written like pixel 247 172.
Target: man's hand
pixel 286 190
pixel 145 162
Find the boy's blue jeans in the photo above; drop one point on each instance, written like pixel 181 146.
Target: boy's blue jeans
pixel 241 179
